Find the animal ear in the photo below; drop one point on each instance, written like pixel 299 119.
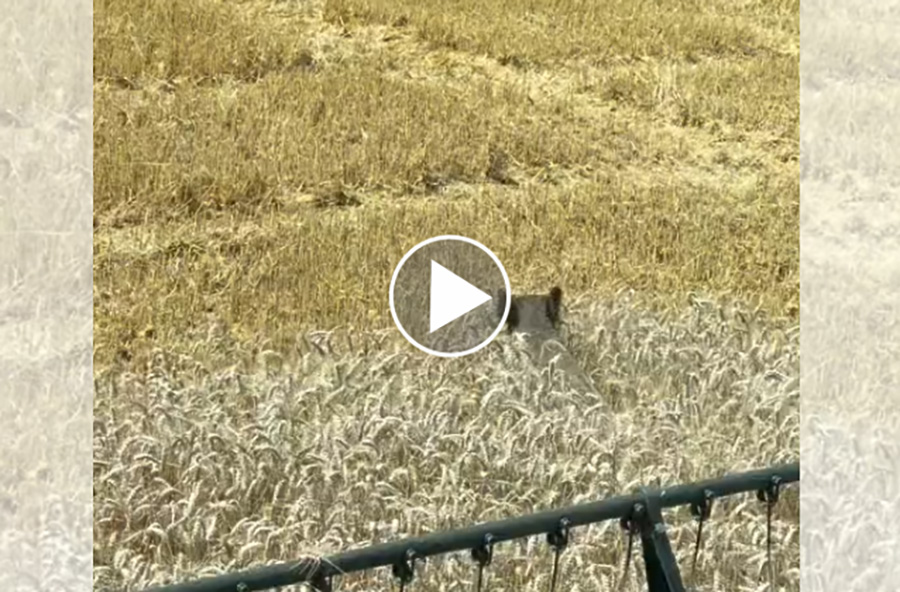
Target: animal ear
pixel 556 294
pixel 554 303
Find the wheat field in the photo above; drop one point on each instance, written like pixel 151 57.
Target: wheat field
pixel 261 166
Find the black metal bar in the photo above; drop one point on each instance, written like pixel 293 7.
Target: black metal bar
pixel 662 567
pixel 465 539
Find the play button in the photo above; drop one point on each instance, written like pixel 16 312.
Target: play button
pixel 449 296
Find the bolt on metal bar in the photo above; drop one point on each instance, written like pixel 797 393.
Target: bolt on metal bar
pixel 466 539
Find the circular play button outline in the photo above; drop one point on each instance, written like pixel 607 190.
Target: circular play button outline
pixel 506 307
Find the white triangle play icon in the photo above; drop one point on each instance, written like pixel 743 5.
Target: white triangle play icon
pixel 451 296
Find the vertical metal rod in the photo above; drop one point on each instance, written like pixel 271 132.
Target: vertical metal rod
pixel 663 574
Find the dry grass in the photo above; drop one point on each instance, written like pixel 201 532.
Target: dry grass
pixel 262 166
pixel 252 177
pixel 249 147
pixel 548 31
pixel 205 39
pixel 266 279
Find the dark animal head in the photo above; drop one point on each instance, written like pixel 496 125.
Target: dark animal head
pixel 533 313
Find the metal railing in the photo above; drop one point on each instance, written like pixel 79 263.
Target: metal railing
pixel 640 514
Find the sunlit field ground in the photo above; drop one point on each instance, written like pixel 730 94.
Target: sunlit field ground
pixel 851 296
pixel 262 166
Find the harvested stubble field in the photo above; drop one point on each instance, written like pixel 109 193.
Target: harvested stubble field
pixel 262 166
